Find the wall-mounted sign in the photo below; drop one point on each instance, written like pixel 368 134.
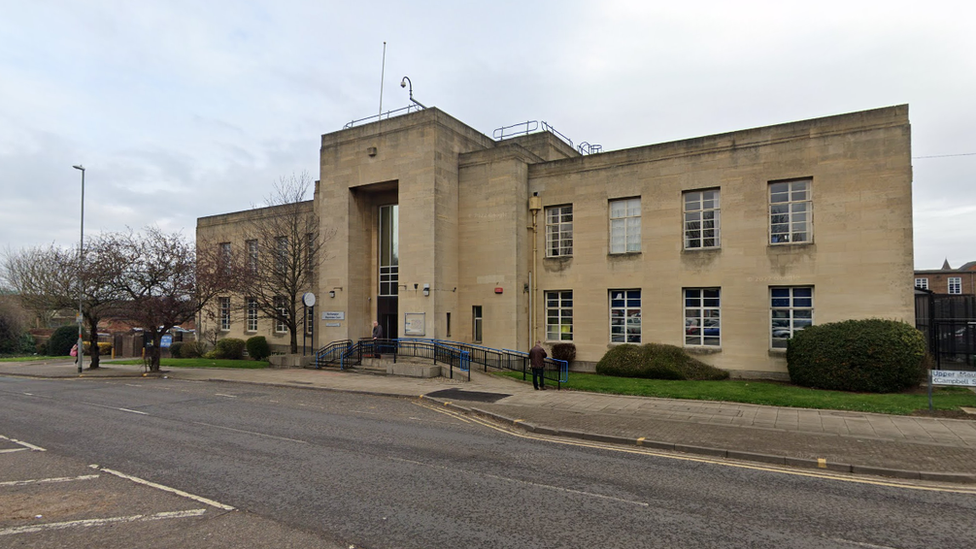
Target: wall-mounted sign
pixel 414 324
pixel 333 315
pixel 333 324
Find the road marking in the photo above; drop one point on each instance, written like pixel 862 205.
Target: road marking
pixel 821 463
pixel 223 395
pixel 138 480
pixel 46 480
pixel 29 394
pixel 766 468
pixel 862 544
pixel 12 450
pixel 24 444
pixel 132 411
pixel 248 432
pixel 526 482
pixel 100 522
pixel 116 408
pixel 454 415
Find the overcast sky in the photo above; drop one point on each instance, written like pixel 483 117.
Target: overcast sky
pixel 182 109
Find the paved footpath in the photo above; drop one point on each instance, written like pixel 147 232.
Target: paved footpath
pixel 876 444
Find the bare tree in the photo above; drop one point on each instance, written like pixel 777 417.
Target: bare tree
pixel 47 281
pixel 165 281
pixel 283 249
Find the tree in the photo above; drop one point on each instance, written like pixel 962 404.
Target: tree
pixel 47 281
pixel 165 282
pixel 283 250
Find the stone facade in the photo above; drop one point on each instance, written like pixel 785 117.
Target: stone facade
pixel 473 230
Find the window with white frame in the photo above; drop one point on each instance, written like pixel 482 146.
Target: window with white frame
pixel 703 316
pixel 252 314
pixel 922 283
pixel 625 316
pixel 476 323
pixel 225 257
pixel 559 231
pixel 224 313
pixel 559 315
pixel 252 256
pixel 955 284
pixel 790 212
pixel 791 310
pixel 281 254
pixel 702 219
pixel 281 305
pixel 625 226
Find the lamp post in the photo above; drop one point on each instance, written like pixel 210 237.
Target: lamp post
pixel 81 258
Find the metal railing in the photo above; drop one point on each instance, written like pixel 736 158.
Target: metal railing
pixel 527 127
pixel 388 114
pixel 347 354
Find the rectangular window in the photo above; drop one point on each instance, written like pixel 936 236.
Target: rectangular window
pixel 702 221
pixel 559 315
pixel 559 231
pixel 476 323
pixel 791 310
pixel 252 256
pixel 703 316
pixel 625 226
pixel 281 254
pixel 625 316
pixel 224 314
pixel 389 246
pixel 225 257
pixel 252 314
pixel 922 283
pixel 955 284
pixel 448 324
pixel 310 253
pixel 790 212
pixel 281 305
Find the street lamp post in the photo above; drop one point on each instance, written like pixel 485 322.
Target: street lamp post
pixel 81 259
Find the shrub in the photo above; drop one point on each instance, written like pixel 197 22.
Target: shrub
pixel 175 348
pixel 258 348
pixel 230 348
pixel 104 348
pixel 655 361
pixel 192 349
pixel 872 355
pixel 62 340
pixel 564 351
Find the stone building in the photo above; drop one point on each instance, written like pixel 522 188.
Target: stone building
pixel 725 244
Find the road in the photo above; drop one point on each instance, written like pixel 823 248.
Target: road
pixel 326 469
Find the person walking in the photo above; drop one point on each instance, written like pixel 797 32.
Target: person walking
pixel 377 335
pixel 537 358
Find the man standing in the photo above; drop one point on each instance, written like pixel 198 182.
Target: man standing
pixel 377 335
pixel 537 357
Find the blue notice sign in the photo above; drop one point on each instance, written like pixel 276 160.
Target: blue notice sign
pixel 166 341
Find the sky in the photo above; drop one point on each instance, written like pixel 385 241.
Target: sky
pixel 183 109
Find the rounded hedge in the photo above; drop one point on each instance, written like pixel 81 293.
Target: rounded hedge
pixel 62 340
pixel 871 356
pixel 192 349
pixel 175 348
pixel 230 348
pixel 258 348
pixel 655 361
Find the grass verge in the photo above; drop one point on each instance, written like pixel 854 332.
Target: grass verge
pixel 31 358
pixel 202 363
pixel 771 394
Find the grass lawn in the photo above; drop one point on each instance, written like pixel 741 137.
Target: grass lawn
pixel 201 363
pixel 771 394
pixel 30 358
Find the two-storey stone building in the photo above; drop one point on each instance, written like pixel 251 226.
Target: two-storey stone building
pixel 725 245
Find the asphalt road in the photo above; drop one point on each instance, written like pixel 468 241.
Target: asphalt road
pixel 376 472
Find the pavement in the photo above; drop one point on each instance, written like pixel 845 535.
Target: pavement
pixel 905 447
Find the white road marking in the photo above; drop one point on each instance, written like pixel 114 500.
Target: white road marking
pixel 862 544
pixel 138 480
pixel 12 450
pixel 46 480
pixel 248 432
pixel 223 395
pixel 132 411
pixel 526 482
pixel 29 394
pixel 24 444
pixel 100 522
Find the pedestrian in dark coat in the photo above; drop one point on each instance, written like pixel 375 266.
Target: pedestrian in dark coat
pixel 537 358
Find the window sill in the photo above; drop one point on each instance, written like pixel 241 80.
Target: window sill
pixel 702 350
pixel 713 249
pixel 789 244
pixel 777 352
pixel 615 255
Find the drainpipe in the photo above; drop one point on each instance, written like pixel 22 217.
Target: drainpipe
pixel 535 204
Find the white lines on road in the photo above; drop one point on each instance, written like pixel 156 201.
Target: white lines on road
pixel 526 482
pixel 862 544
pixel 132 411
pixel 46 480
pixel 138 480
pixel 233 430
pixel 12 450
pixel 100 522
pixel 223 395
pixel 24 444
pixel 116 408
pixel 29 394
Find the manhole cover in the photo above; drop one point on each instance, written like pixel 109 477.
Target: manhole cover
pixel 476 396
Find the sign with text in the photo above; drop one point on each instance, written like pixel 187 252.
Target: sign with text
pixel 333 315
pixel 414 324
pixel 166 341
pixel 333 324
pixel 953 377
